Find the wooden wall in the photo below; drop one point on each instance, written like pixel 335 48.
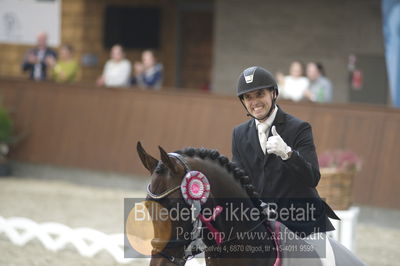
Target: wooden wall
pixel 87 127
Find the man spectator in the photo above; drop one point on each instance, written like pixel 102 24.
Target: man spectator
pixel 36 59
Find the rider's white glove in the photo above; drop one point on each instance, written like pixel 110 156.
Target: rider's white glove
pixel 276 145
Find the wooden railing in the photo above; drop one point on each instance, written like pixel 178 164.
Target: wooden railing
pixel 98 128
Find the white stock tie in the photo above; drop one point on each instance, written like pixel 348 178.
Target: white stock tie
pixel 262 135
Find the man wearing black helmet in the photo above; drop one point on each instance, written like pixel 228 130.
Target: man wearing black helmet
pixel 277 151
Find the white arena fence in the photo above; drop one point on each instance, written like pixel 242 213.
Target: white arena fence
pixel 55 236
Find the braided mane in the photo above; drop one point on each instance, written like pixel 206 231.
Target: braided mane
pixel 231 167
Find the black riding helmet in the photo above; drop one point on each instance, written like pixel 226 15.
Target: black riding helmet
pixel 255 78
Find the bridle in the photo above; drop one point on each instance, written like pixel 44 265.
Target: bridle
pixel 197 226
pixel 172 190
pixel 196 243
pixel 162 195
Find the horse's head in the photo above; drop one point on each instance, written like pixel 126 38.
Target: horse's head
pixel 195 182
pixel 164 193
pixel 165 173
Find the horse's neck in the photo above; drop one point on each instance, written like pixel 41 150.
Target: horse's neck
pixel 244 251
pixel 223 184
pixel 224 187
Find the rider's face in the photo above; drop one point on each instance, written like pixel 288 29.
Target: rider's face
pixel 258 102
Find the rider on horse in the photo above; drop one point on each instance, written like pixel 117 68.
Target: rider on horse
pixel 278 153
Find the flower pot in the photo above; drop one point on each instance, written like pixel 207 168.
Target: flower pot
pixel 335 187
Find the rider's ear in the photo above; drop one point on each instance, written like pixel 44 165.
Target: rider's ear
pixel 170 163
pixel 148 161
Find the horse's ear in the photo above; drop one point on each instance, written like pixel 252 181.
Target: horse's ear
pixel 148 161
pixel 168 161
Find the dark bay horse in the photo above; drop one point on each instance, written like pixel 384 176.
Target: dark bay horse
pixel 217 193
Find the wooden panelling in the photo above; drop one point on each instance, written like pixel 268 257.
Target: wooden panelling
pixel 196 45
pixel 98 128
pixel 387 182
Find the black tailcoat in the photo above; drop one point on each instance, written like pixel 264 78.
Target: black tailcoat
pixel 287 183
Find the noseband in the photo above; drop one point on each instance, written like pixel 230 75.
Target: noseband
pixel 162 195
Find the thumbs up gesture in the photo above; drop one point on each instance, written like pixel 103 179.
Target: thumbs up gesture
pixel 276 145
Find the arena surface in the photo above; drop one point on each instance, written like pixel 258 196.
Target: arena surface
pixel 87 199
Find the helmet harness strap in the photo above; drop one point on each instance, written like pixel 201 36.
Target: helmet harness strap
pixel 273 100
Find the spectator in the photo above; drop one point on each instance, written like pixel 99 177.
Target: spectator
pixel 293 86
pixel 320 88
pixel 117 70
pixel 148 73
pixel 66 68
pixel 36 59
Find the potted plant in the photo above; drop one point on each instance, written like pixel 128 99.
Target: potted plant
pixel 338 169
pixel 6 138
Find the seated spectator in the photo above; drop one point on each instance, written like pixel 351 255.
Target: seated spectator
pixel 320 89
pixel 294 86
pixel 66 68
pixel 117 70
pixel 148 73
pixel 36 59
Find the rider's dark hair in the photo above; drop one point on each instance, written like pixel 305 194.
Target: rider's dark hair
pixel 238 173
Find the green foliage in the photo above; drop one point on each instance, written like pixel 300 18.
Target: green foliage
pixel 6 126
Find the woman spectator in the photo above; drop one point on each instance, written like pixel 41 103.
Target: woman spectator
pixel 117 70
pixel 294 86
pixel 320 89
pixel 148 73
pixel 66 68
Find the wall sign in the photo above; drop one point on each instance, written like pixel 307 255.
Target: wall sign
pixel 22 20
